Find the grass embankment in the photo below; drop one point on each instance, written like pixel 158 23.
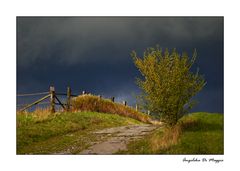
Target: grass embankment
pixel 96 104
pixel 197 133
pixel 43 133
pixel 40 132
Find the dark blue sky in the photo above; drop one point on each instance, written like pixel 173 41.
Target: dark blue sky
pixel 93 53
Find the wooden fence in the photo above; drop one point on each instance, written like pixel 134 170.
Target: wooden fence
pixel 55 100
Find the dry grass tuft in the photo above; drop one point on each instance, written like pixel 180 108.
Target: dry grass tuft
pixel 166 139
pixel 170 135
pixel 95 104
pixel 38 115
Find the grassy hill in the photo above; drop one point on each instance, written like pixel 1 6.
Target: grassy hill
pixel 43 133
pixel 95 104
pixel 196 133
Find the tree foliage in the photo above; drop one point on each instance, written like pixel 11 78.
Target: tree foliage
pixel 167 83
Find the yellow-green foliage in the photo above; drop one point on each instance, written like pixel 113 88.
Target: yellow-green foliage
pixel 95 104
pixel 168 83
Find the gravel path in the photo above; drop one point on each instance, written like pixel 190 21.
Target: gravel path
pixel 117 138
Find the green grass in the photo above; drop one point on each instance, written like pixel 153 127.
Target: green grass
pixel 197 133
pixel 47 133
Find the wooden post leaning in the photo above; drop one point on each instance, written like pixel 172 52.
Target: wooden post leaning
pixel 36 102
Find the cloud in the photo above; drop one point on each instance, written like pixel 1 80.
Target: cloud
pixel 93 53
pixel 73 40
pixel 210 99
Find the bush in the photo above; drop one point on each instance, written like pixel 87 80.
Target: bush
pixel 168 84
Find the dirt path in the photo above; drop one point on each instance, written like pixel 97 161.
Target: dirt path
pixel 116 139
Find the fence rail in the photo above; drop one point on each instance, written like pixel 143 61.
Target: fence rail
pixel 52 95
pixel 32 94
pixel 55 100
pixel 65 94
pixel 36 102
pixel 40 103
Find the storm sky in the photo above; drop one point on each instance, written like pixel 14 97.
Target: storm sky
pixel 93 53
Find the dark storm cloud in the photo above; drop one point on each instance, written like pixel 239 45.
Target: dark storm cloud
pixel 73 39
pixel 93 53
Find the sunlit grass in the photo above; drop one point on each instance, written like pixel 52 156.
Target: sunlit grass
pixel 44 133
pixel 197 133
pixel 95 104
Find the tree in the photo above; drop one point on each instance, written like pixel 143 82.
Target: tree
pixel 167 84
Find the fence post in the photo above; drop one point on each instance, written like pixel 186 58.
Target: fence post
pixel 148 112
pixel 112 99
pixel 68 98
pixel 125 103
pixel 52 99
pixel 136 107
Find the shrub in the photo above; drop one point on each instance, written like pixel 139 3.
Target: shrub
pixel 167 83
